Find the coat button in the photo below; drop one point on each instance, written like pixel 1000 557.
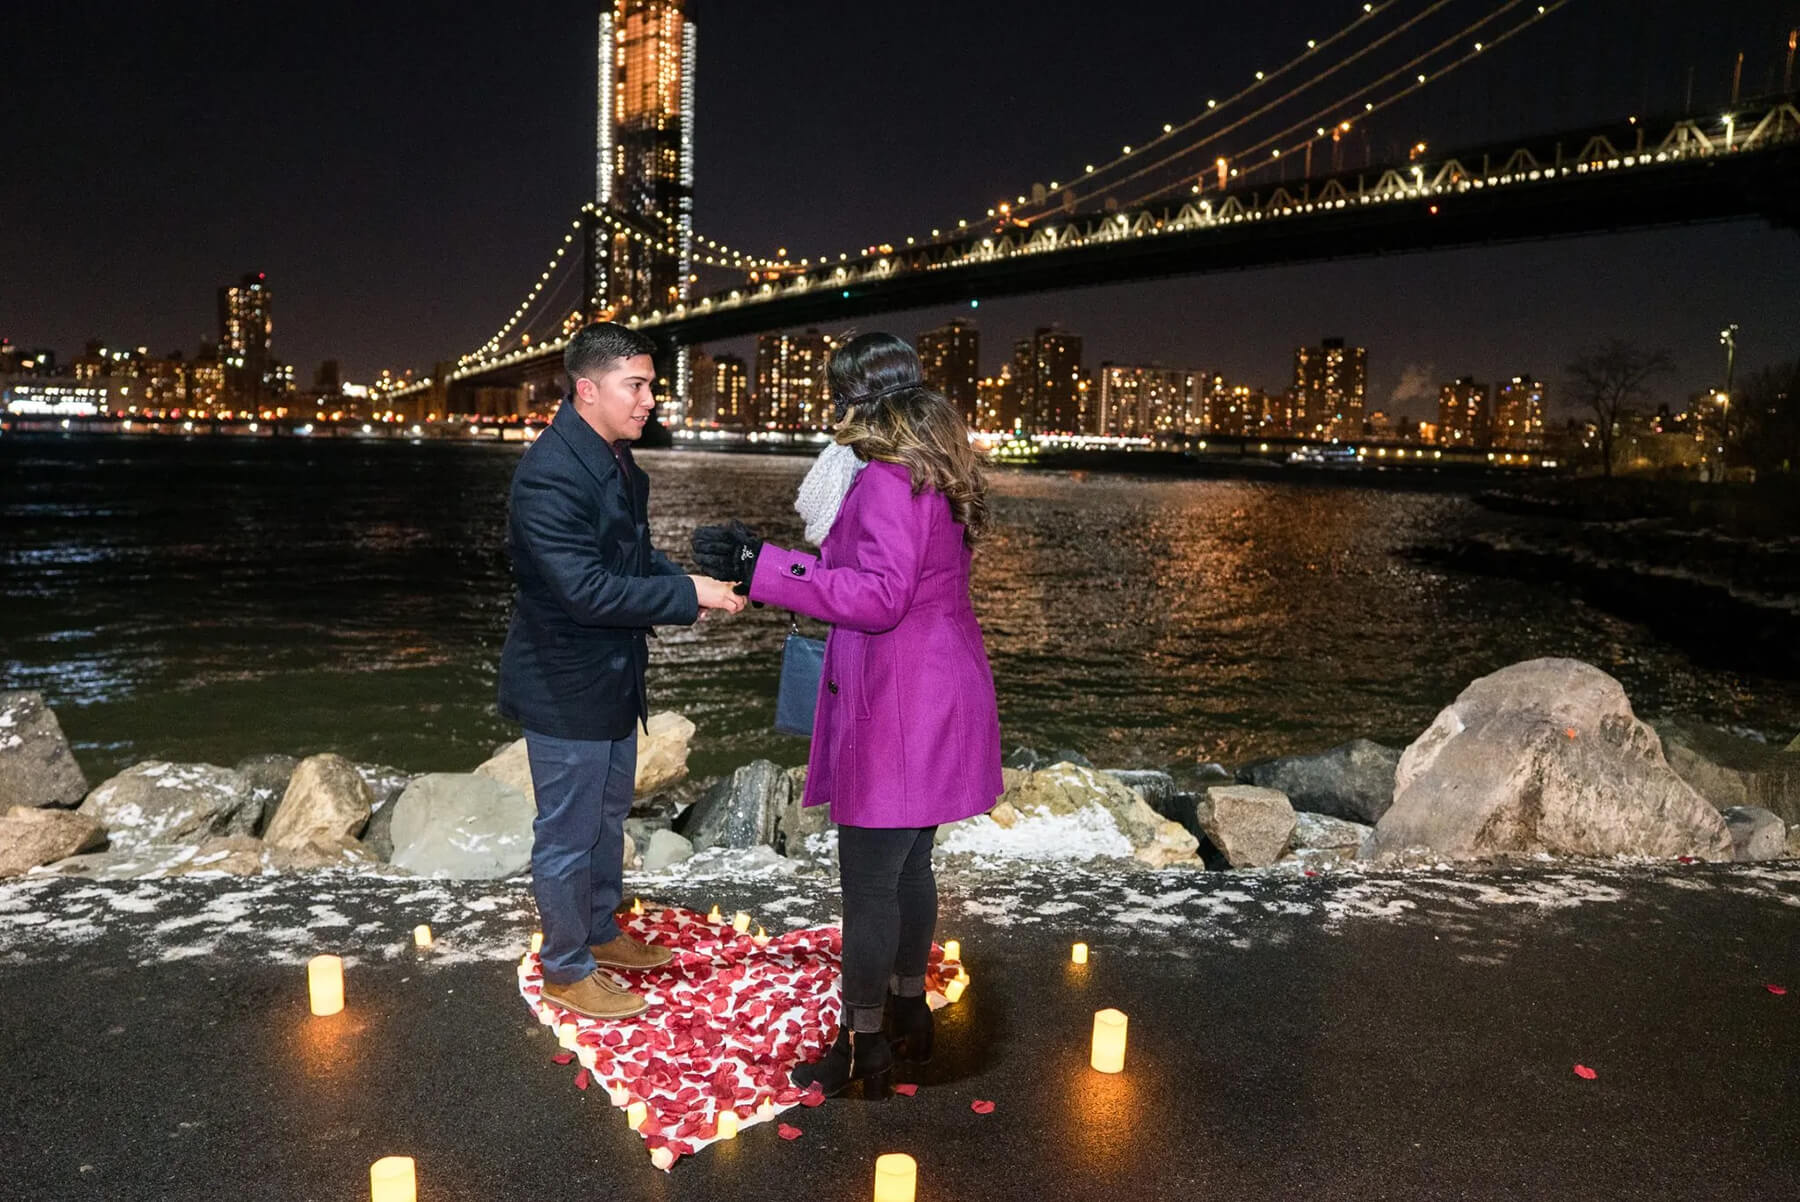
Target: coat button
pixel 831 685
pixel 797 570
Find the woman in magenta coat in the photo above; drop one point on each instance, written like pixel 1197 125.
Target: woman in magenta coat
pixel 907 735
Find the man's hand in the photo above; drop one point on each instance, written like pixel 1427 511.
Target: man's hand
pixel 716 594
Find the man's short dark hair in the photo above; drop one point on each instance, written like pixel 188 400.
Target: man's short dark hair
pixel 595 347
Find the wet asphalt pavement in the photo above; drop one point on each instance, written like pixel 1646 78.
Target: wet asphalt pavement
pixel 1398 1037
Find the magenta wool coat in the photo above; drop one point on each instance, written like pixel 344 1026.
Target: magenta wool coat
pixel 907 732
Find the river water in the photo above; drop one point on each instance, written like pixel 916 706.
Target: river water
pixel 197 599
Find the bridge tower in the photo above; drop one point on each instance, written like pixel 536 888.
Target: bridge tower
pixel 641 230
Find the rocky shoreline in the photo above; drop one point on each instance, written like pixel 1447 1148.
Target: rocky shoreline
pixel 1543 760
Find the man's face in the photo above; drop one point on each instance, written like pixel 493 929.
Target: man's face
pixel 618 400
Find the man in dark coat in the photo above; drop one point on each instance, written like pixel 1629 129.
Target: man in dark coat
pixel 590 587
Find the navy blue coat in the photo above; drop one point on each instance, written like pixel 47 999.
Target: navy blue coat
pixel 590 587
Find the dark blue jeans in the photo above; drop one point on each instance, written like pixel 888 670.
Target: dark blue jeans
pixel 584 789
pixel 890 913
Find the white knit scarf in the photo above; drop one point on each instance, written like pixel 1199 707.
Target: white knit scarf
pixel 822 492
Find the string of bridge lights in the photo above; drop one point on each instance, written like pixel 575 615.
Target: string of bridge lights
pixel 1419 81
pixel 493 344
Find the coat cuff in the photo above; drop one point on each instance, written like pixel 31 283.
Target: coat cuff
pixel 781 575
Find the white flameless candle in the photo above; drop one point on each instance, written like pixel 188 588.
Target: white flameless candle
pixel 741 923
pixel 637 906
pixel 1078 954
pixel 713 915
pixel 421 936
pixel 761 938
pixel 952 949
pixel 954 990
pixel 618 1095
pixel 765 1109
pixel 662 1158
pixel 896 1177
pixel 728 1124
pixel 391 1180
pixel 1109 1041
pixel 635 1114
pixel 325 984
pixel 537 941
pixel 565 1037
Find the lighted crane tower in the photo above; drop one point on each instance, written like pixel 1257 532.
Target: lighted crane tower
pixel 641 230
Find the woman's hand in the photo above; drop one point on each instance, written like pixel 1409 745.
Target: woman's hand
pixel 728 552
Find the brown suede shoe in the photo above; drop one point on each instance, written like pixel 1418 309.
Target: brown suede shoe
pixel 622 951
pixel 595 997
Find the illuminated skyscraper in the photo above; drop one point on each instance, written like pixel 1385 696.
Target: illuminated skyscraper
pixel 1055 400
pixel 1143 402
pixel 1464 419
pixel 791 388
pixel 1329 382
pixel 730 391
pixel 951 356
pixel 1519 415
pixel 246 332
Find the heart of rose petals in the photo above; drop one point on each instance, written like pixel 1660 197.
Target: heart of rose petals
pixel 1585 1073
pixel 1777 990
pixel 787 1132
pixel 906 1091
pixel 981 1106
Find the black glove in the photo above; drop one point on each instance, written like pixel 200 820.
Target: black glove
pixel 728 552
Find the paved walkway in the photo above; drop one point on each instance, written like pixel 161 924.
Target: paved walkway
pixel 1398 1036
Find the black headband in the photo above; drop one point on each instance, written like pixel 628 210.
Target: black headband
pixel 842 404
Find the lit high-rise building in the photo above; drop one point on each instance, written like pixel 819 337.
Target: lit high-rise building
pixel 1519 415
pixel 951 358
pixel 1143 402
pixel 991 393
pixel 1329 382
pixel 730 391
pixel 791 390
pixel 246 332
pixel 1055 401
pixel 1464 419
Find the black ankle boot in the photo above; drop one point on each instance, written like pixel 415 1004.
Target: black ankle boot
pixel 861 1056
pixel 910 1023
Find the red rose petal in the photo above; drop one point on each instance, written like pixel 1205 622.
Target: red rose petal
pixel 581 1079
pixel 811 1098
pixel 1585 1073
pixel 979 1106
pixel 787 1132
pixel 1777 990
pixel 563 1057
pixel 906 1091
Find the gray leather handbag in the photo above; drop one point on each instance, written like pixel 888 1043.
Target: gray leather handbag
pixel 797 696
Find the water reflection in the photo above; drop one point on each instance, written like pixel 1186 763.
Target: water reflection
pixel 203 600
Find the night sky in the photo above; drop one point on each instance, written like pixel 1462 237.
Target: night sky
pixel 401 172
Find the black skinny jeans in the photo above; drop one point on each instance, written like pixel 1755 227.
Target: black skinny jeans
pixel 890 914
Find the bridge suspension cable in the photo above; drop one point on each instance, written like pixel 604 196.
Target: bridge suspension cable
pixel 493 344
pixel 1421 80
pixel 1173 155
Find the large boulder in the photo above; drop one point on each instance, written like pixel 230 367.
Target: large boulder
pixel 236 855
pixel 462 826
pixel 1249 825
pixel 1729 770
pixel 30 836
pixel 665 848
pixel 1156 788
pixel 511 766
pixel 795 821
pixel 157 802
pixel 325 799
pixel 741 810
pixel 1756 834
pixel 322 851
pixel 1545 756
pixel 36 766
pixel 662 752
pixel 1354 781
pixel 267 776
pixel 1326 837
pixel 1066 788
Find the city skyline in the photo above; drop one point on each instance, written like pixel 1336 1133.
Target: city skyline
pixel 378 277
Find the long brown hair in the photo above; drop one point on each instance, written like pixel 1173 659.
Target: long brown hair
pixel 891 416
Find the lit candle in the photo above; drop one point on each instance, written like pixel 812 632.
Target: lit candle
pixel 741 923
pixel 713 915
pixel 896 1176
pixel 952 949
pixel 954 990
pixel 565 1037
pixel 1079 953
pixel 537 941
pixel 728 1124
pixel 325 984
pixel 761 938
pixel 391 1180
pixel 421 936
pixel 765 1109
pixel 1109 1041
pixel 617 1094
pixel 637 906
pixel 586 1056
pixel 635 1114
pixel 662 1158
